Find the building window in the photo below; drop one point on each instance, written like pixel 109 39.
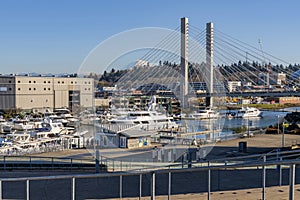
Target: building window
pixel 48 88
pixel 29 88
pixel 29 81
pixel 33 81
pixel 44 81
pixel 62 82
pixel 34 88
pixel 44 88
pixel 58 82
pixel 48 81
pixel 9 81
pixel 19 81
pixel 31 100
pixel 71 82
pixel 9 88
pixel 19 88
pixel 89 82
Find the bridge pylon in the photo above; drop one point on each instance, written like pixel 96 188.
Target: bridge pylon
pixel 210 62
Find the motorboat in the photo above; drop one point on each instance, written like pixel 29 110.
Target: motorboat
pixel 6 127
pixel 150 119
pixel 22 124
pixel 18 137
pixel 64 116
pixel 207 113
pixel 89 119
pixel 246 112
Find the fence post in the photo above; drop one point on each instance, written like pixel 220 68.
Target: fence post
pixel 0 189
pixel 71 164
pixel 52 163
pixel 141 178
pixel 73 188
pixel 30 164
pixel 170 186
pixel 113 164
pixel 208 181
pixel 264 179
pixel 27 189
pixel 153 186
pixel 219 179
pixel 121 187
pixel 280 173
pixel 4 161
pixel 97 161
pixel 292 182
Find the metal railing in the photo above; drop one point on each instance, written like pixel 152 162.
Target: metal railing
pixel 114 165
pixel 261 166
pixel 42 163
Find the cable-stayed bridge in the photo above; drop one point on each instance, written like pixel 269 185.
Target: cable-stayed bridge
pixel 191 61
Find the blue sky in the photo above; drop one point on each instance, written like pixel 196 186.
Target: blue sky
pixel 55 36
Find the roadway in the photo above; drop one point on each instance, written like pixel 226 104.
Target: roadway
pixel 266 93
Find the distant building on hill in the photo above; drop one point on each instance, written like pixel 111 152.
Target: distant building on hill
pixel 234 86
pixel 39 92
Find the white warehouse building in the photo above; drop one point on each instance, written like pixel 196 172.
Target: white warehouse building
pixel 37 92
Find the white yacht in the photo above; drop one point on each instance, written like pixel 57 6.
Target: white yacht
pixel 64 116
pixel 89 119
pixel 207 113
pixel 247 112
pixel 22 124
pixel 149 119
pixel 48 129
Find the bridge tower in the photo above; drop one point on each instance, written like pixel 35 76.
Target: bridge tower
pixel 210 62
pixel 184 59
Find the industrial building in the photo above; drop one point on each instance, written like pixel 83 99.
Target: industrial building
pixel 39 92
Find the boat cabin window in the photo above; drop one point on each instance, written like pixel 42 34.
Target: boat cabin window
pixel 138 114
pixel 162 120
pixel 202 111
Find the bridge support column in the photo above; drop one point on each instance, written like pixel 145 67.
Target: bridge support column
pixel 184 60
pixel 210 62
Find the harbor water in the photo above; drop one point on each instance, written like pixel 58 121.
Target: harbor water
pixel 222 127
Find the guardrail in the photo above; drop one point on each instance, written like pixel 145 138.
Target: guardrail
pixel 44 163
pixel 114 165
pixel 121 180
